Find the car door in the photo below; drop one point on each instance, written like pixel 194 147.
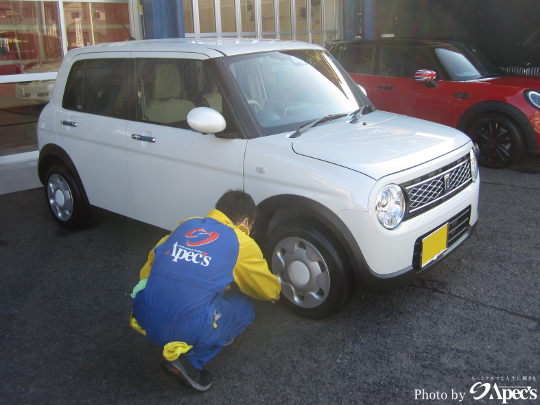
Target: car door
pixel 174 172
pixel 91 127
pixel 398 91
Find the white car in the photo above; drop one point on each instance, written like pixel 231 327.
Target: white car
pixel 158 130
pixel 37 90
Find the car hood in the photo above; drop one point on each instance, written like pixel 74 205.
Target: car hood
pixel 379 144
pixel 522 82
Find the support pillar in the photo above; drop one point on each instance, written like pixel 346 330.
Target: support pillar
pixel 163 18
pixel 369 19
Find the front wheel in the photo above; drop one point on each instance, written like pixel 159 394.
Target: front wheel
pixel 499 141
pixel 315 279
pixel 64 198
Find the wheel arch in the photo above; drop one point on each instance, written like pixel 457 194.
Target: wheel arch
pixel 280 209
pixel 52 154
pixel 487 107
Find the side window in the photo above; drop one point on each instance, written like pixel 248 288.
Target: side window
pixel 404 61
pixel 95 86
pixel 103 87
pixel 168 89
pixel 74 91
pixel 162 90
pixel 357 59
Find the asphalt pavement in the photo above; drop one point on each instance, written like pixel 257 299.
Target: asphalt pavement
pixel 475 318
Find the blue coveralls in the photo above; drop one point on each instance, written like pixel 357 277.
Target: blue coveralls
pixel 185 299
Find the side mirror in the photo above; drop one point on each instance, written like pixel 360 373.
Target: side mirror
pixel 206 120
pixel 425 76
pixel 363 90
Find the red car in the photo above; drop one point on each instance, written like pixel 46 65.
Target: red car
pixel 448 83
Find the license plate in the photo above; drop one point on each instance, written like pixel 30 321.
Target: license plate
pixel 434 244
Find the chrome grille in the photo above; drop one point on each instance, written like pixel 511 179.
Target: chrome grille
pixel 425 193
pixel 516 70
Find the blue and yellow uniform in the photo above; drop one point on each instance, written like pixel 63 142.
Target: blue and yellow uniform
pixel 183 297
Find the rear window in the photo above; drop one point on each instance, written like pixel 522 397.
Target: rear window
pixel 95 86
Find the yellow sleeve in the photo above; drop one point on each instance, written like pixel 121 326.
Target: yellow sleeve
pixel 251 272
pixel 145 271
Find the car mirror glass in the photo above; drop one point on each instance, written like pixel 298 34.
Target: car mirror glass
pixel 206 120
pixel 425 75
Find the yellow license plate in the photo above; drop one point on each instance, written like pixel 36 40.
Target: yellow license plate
pixel 434 244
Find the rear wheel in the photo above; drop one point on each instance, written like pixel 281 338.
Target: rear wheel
pixel 315 279
pixel 498 139
pixel 64 198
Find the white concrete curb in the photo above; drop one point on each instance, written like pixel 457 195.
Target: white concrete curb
pixel 19 158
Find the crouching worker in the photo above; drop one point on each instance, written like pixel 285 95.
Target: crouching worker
pixel 183 302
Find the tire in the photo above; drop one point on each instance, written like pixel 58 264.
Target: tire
pixel 498 139
pixel 64 198
pixel 316 281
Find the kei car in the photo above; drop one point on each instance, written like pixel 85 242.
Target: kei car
pixel 37 90
pixel 158 130
pixel 448 83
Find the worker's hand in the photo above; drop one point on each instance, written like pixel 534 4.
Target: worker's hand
pixel 276 300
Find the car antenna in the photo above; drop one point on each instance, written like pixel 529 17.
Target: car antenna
pixel 129 35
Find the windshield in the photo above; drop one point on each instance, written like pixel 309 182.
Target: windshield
pixel 462 64
pixel 286 89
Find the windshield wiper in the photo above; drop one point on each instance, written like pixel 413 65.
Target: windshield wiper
pixel 356 114
pixel 316 122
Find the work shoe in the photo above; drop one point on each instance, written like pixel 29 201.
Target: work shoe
pixel 200 380
pixel 229 343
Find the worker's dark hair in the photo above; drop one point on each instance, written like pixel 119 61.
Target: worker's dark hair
pixel 237 205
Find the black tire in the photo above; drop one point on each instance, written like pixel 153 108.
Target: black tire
pixel 315 276
pixel 499 140
pixel 64 198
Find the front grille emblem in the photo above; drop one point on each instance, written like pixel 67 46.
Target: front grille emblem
pixel 446 183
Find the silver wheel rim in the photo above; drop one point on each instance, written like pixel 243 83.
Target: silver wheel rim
pixel 302 271
pixel 60 197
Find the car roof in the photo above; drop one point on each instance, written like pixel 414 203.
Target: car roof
pixel 392 41
pixel 212 47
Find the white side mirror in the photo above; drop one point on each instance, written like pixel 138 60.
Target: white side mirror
pixel 363 90
pixel 206 120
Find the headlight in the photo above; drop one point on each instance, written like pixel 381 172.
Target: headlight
pixel 474 164
pixel 390 206
pixel 533 97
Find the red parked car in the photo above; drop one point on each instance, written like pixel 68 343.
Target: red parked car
pixel 448 83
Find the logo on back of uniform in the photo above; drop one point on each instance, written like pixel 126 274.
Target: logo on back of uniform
pixel 200 236
pixel 180 252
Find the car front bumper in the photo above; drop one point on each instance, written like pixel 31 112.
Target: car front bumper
pixel 389 259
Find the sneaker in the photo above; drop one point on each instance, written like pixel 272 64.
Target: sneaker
pixel 200 380
pixel 229 343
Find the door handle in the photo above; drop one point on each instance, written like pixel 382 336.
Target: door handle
pixel 68 123
pixel 143 138
pixel 386 88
